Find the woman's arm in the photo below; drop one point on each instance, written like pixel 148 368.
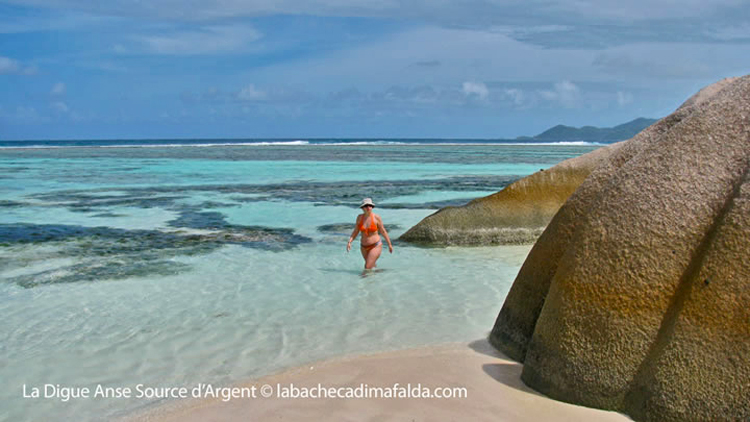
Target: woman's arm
pixel 355 232
pixel 381 229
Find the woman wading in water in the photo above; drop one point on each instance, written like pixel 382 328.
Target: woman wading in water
pixel 370 224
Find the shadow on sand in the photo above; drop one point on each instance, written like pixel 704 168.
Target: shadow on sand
pixel 506 371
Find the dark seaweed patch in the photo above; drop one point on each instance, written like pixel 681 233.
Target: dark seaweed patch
pixel 339 228
pixel 77 200
pixel 110 252
pixel 200 220
pixel 216 204
pixel 148 201
pixel 4 203
pixel 254 236
pixel 107 270
pixel 109 214
pixel 319 193
pixel 108 240
pixel 238 198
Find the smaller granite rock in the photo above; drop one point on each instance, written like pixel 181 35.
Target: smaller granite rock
pixel 517 214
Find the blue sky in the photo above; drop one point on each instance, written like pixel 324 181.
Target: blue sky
pixel 82 69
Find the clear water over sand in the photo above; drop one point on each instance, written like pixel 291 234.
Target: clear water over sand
pixel 174 266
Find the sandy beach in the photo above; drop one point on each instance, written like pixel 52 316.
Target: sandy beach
pixel 493 391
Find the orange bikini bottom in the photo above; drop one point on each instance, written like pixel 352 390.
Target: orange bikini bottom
pixel 369 247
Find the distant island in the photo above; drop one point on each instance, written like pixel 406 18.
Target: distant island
pixel 591 133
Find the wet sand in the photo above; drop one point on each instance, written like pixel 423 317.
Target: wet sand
pixel 494 391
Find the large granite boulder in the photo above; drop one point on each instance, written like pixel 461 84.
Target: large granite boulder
pixel 517 214
pixel 636 297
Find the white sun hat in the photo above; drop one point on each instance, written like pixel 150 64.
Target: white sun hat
pixel 367 201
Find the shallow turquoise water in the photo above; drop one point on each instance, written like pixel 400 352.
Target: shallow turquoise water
pixel 169 267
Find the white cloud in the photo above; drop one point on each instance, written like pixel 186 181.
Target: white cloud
pixel 10 66
pixel 60 106
pixel 516 95
pixel 569 93
pixel 566 93
pixel 58 89
pixel 624 98
pixel 203 40
pixel 251 93
pixel 400 95
pixel 477 89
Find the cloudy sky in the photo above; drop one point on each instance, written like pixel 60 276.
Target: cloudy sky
pixel 355 68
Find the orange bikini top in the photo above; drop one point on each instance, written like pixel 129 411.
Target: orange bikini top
pixel 373 227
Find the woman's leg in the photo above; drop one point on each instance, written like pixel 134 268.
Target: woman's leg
pixel 372 256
